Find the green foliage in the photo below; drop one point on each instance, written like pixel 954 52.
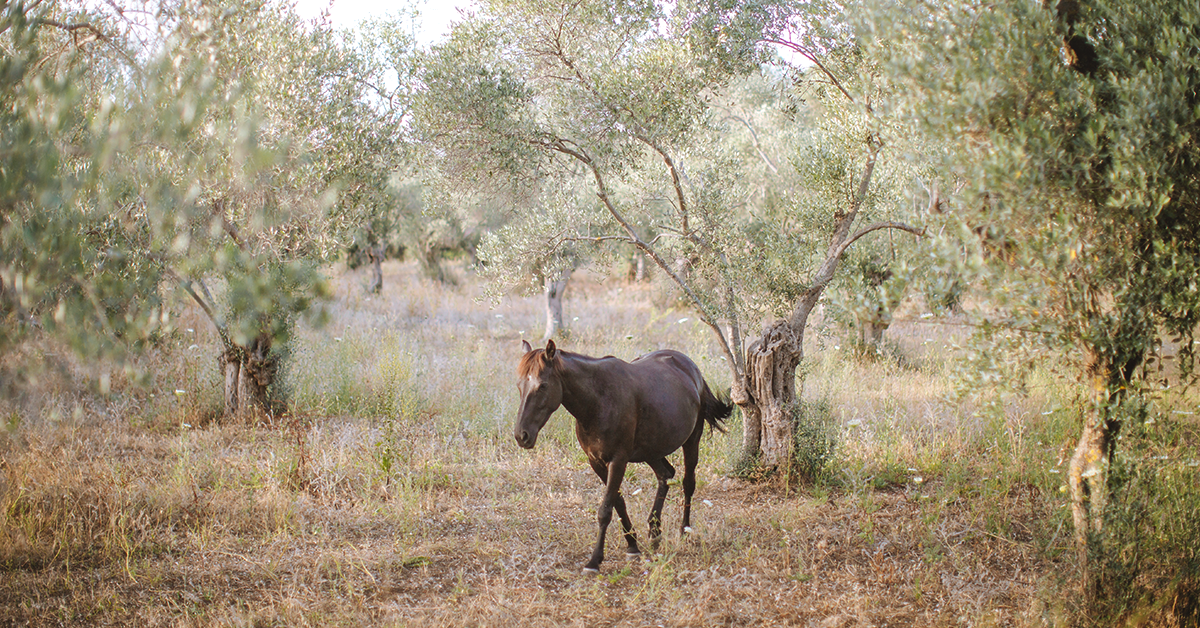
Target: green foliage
pixel 225 144
pixel 1076 204
pixel 817 441
pixel 1073 208
pixel 705 167
pixel 68 269
pixel 1148 551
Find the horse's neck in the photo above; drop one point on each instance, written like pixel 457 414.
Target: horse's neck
pixel 579 377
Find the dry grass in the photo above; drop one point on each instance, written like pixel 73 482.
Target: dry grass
pixel 394 494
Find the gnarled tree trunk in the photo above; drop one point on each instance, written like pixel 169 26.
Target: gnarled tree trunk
pixel 769 402
pixel 249 373
pixel 771 363
pixel 258 373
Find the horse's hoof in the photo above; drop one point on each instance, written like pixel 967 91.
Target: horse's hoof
pixel 590 571
pixel 687 529
pixel 633 553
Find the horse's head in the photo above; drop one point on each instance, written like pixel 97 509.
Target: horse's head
pixel 540 384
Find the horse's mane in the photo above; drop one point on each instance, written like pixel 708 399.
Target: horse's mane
pixel 533 362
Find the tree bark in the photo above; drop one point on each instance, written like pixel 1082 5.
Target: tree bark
pixel 258 373
pixel 249 373
pixel 431 262
pixel 640 271
pixel 771 363
pixel 1087 474
pixel 555 288
pixel 1087 477
pixel 232 365
pixel 870 333
pixel 375 255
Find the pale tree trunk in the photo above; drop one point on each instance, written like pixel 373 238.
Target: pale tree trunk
pixel 375 255
pixel 1087 477
pixel 769 402
pixel 771 363
pixel 870 333
pixel 555 288
pixel 1087 473
pixel 232 365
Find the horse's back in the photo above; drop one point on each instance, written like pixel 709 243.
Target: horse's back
pixel 667 364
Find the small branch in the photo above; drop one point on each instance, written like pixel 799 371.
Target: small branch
pixel 74 27
pixel 888 224
pixel 186 284
pixel 597 239
pixel 87 26
pixel 808 54
pixel 227 225
pixel 754 140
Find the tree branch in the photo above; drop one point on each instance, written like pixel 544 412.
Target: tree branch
pixel 186 284
pixel 808 54
pixel 754 139
pixel 226 224
pixel 841 239
pixel 887 224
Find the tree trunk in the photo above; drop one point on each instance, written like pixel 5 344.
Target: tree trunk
pixel 771 363
pixel 1087 473
pixel 249 374
pixel 431 263
pixel 870 334
pixel 375 255
pixel 769 397
pixel 232 365
pixel 555 288
pixel 258 373
pixel 1087 476
pixel 638 270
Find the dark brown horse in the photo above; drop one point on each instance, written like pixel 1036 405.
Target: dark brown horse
pixel 640 411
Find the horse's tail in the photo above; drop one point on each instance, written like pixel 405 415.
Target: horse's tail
pixel 714 411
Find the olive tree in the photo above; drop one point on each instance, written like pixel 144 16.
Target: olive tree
pixel 1072 135
pixel 539 94
pixel 205 148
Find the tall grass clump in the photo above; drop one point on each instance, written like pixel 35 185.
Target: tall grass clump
pixel 358 374
pixel 816 441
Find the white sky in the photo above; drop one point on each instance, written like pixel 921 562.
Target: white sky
pixel 433 25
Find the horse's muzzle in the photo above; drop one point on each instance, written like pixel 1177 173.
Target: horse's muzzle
pixel 525 439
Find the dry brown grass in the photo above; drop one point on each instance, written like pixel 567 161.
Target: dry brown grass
pixel 394 495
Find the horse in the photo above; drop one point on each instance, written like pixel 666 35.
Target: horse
pixel 640 411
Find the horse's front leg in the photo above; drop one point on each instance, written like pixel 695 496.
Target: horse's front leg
pixel 612 498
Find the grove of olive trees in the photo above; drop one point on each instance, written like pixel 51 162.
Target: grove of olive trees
pixel 779 163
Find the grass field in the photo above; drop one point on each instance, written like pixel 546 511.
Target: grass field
pixel 394 493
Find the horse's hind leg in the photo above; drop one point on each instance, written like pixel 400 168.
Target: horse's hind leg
pixel 691 455
pixel 664 471
pixel 611 474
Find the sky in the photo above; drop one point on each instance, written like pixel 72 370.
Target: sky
pixel 435 15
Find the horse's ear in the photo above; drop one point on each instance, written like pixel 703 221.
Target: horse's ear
pixel 525 345
pixel 550 349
